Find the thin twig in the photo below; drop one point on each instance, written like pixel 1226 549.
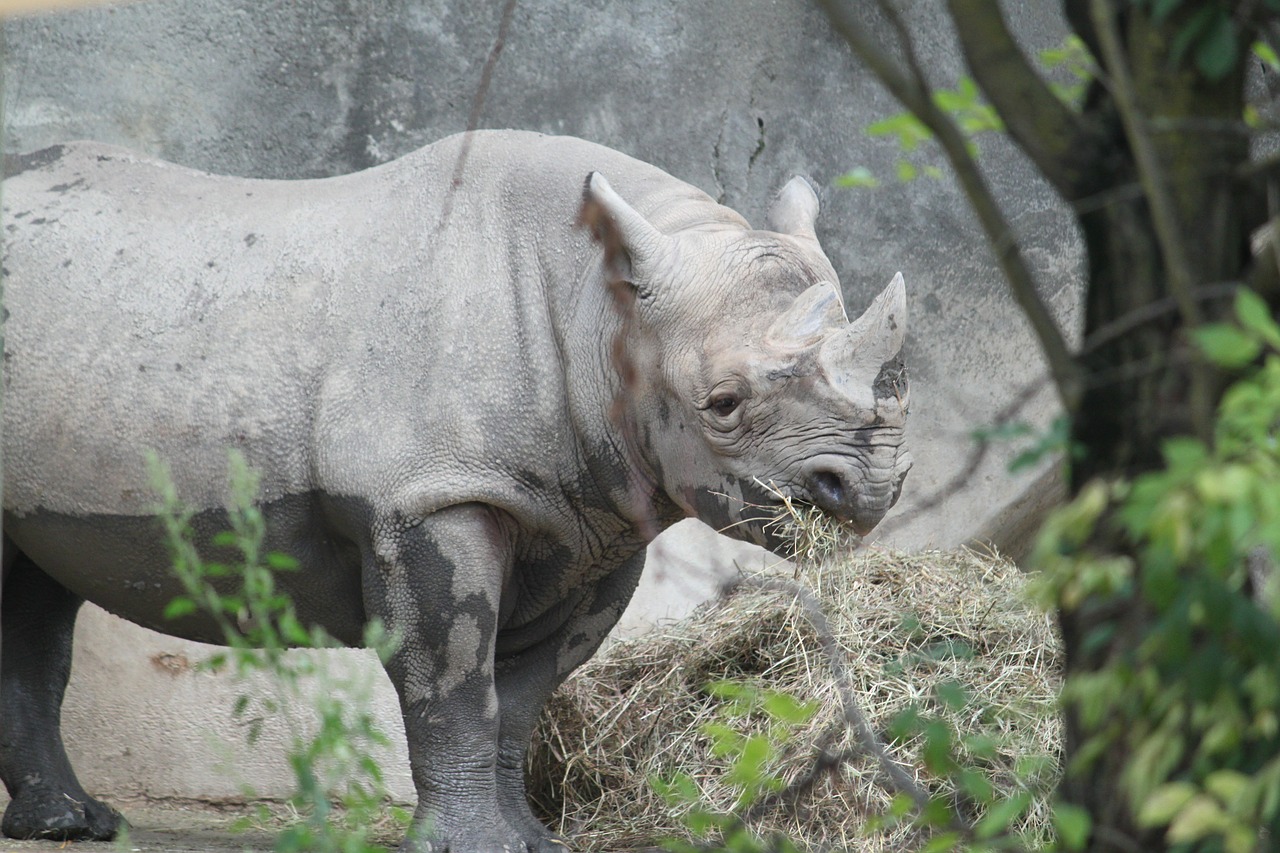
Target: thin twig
pixel 473 119
pixel 911 88
pixel 1151 312
pixel 977 455
pixel 898 780
pixel 894 777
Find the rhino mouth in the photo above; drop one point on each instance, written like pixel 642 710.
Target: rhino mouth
pixel 798 528
pixel 790 524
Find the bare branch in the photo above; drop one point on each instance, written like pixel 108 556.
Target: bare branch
pixel 911 88
pixel 473 119
pixel 896 778
pixel 973 461
pixel 1059 141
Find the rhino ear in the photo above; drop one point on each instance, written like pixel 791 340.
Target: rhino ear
pixel 794 209
pixel 805 320
pixel 645 245
pixel 853 358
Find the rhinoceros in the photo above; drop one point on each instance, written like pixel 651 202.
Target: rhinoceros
pixel 425 367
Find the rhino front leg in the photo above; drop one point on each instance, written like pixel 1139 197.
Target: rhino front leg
pixel 526 681
pixel 47 801
pixel 437 585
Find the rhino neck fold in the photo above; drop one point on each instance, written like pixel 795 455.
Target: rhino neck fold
pixel 602 411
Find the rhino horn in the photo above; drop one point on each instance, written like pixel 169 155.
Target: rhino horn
pixel 808 317
pixel 794 209
pixel 645 245
pixel 852 358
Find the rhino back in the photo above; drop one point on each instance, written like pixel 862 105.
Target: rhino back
pixel 336 331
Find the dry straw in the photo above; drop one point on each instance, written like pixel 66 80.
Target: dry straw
pixel 904 623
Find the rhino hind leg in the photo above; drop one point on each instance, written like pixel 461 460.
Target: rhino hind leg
pixel 38 619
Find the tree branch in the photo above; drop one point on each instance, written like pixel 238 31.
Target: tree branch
pixel 911 88
pixel 1060 142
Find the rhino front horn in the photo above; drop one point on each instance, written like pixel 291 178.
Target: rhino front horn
pixel 645 245
pixel 852 358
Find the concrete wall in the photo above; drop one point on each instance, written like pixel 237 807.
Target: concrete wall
pixel 734 96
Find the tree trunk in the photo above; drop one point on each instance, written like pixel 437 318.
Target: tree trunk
pixel 1141 374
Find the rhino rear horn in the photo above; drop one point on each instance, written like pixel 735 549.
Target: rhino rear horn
pixel 645 245
pixel 794 210
pixel 853 357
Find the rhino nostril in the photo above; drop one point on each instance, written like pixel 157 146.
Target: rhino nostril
pixel 827 489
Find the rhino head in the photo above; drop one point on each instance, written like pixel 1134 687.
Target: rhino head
pixel 748 381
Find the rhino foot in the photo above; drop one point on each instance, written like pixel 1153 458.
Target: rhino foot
pixel 56 816
pixel 544 842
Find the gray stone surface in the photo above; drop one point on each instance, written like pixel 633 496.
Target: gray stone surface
pixel 734 96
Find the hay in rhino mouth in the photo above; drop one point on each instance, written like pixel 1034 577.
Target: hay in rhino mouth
pixel 813 536
pixel 808 533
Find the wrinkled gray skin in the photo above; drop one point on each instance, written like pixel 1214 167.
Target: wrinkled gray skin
pixel 430 413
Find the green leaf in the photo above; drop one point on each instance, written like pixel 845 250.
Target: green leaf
pixel 1200 817
pixel 1264 52
pixel 787 708
pixel 1255 315
pixel 942 843
pixel 975 785
pixel 179 607
pixel 748 769
pixel 1219 50
pixel 1164 803
pixel 282 562
pixel 858 177
pixel 953 695
pixel 1229 786
pixel 1192 30
pixel 1161 9
pixel 1073 825
pixel 1226 345
pixel 909 130
pixel 1001 815
pixel 907 171
pixel 724 740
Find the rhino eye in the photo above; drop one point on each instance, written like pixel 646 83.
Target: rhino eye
pixel 724 404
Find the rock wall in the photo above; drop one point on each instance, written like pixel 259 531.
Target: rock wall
pixel 734 96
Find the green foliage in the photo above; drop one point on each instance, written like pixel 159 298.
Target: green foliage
pixel 1055 440
pixel 961 766
pixel 1209 33
pixel 972 115
pixel 1195 708
pixel 1073 58
pixel 752 768
pixel 259 626
pixel 965 106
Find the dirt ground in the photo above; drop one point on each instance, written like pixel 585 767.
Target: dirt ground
pixel 165 828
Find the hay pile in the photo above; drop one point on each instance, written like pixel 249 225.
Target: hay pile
pixel 906 623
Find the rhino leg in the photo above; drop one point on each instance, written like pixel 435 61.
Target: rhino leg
pixel 38 620
pixel 437 585
pixel 525 682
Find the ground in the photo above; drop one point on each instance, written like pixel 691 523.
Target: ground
pixel 165 828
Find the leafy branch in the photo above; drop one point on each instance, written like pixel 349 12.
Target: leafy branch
pixel 908 84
